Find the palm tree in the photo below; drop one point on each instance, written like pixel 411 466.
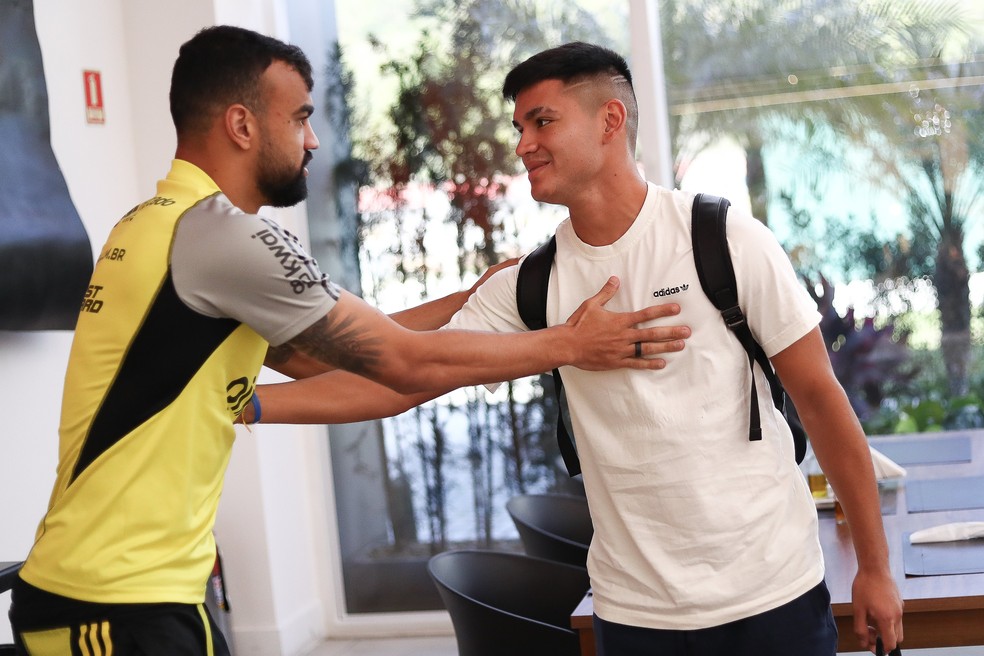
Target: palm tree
pixel 943 188
pixel 926 145
pixel 738 68
pixel 747 68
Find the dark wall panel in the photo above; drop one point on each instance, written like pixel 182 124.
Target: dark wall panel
pixel 45 255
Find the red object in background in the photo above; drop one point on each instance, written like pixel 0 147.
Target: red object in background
pixel 94 112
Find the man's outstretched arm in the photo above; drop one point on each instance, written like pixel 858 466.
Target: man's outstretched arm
pixel 358 338
pixel 426 316
pixel 593 338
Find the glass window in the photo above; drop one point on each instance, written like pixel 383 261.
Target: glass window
pixel 442 202
pixel 860 128
pixel 854 130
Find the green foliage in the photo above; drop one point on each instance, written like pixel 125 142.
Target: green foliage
pixel 925 404
pixel 961 413
pixel 934 415
pixel 869 361
pixel 894 388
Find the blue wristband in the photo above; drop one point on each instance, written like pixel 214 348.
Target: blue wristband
pixel 257 410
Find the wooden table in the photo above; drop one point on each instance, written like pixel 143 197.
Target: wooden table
pixel 940 611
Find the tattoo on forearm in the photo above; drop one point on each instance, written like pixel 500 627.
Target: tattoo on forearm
pixel 340 343
pixel 279 355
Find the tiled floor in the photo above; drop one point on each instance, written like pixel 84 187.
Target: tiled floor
pixel 437 646
pixel 446 647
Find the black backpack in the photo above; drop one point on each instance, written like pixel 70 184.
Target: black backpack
pixel 717 278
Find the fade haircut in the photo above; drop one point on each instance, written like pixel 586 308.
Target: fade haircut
pixel 221 66
pixel 574 63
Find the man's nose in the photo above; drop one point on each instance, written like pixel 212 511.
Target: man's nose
pixel 311 139
pixel 526 144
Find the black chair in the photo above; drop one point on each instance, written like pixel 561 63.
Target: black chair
pixel 553 526
pixel 8 572
pixel 507 603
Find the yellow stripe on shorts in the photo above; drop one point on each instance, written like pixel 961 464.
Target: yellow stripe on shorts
pixel 107 641
pixel 209 649
pixel 89 639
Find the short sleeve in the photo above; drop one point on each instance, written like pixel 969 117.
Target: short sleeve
pixel 493 305
pixel 778 308
pixel 492 308
pixel 226 263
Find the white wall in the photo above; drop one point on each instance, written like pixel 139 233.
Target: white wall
pixel 97 164
pixel 273 520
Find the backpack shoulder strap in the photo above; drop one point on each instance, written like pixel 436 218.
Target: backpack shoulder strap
pixel 531 300
pixel 708 219
pixel 717 277
pixel 532 284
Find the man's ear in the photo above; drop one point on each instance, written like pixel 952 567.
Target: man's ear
pixel 240 126
pixel 615 118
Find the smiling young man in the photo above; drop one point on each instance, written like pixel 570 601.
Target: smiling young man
pixel 193 292
pixel 705 542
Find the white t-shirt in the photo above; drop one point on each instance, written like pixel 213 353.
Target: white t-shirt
pixel 695 525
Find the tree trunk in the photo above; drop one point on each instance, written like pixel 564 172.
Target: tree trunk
pixel 952 282
pixel 517 431
pixel 755 180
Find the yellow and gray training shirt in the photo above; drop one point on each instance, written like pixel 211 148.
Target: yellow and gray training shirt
pixel 186 296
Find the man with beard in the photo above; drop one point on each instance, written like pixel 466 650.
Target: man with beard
pixel 192 293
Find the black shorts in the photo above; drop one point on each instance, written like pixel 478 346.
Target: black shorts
pixel 805 627
pixel 46 624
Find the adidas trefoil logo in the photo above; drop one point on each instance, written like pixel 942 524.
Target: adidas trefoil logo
pixel 670 291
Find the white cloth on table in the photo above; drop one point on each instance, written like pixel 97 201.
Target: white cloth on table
pixel 885 467
pixel 948 533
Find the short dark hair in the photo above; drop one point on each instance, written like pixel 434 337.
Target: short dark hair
pixel 569 63
pixel 222 65
pixel 577 62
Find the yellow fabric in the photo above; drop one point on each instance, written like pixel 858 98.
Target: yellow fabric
pixel 55 642
pixel 135 525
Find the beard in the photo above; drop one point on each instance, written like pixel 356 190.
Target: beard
pixel 280 183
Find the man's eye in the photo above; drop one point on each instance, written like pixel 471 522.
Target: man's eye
pixel 540 122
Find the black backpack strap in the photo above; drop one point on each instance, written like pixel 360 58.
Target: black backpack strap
pixel 717 277
pixel 531 287
pixel 531 300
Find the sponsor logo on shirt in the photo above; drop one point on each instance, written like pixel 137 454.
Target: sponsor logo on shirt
pixel 238 394
pixel 156 200
pixel 91 302
pixel 300 269
pixel 115 254
pixel 670 291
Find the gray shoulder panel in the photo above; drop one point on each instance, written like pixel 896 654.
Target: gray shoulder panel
pixel 226 263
